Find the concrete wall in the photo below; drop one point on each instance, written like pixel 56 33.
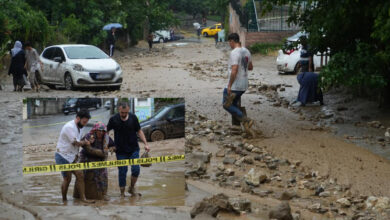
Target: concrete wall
pixel 235 25
pixel 48 107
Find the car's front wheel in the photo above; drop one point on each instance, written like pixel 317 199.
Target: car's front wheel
pixel 161 40
pixel 157 135
pixel 97 106
pixel 205 34
pixel 69 82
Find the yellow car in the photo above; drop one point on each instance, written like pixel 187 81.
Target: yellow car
pixel 212 30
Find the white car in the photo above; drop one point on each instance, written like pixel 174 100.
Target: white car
pixel 161 36
pixel 288 60
pixel 76 65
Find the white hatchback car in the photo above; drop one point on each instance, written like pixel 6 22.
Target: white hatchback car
pixel 288 60
pixel 73 66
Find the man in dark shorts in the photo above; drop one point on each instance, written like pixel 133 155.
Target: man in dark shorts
pixel 126 128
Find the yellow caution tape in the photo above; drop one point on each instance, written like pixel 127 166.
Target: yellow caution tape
pixel 100 164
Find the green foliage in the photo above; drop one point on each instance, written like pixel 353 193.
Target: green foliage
pixel 264 48
pixel 362 71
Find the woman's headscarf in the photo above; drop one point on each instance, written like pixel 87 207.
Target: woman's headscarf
pixel 99 126
pixel 17 48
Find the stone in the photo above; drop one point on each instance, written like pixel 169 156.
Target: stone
pixel 252 178
pixel 229 172
pixel 240 204
pixel 221 167
pixel 377 203
pixel 202 156
pixel 257 150
pixel 211 206
pixel 345 203
pixel 319 190
pixel 249 147
pixel 288 195
pixel 281 212
pixel 239 162
pixel 260 192
pixel 192 140
pixel 197 68
pixel 248 160
pixel 220 153
pixel 263 178
pixel 229 160
pixel 324 194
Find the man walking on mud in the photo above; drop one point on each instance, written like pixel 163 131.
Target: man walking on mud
pixel 126 128
pixel 239 64
pixel 67 152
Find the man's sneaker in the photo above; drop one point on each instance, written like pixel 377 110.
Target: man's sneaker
pixel 229 100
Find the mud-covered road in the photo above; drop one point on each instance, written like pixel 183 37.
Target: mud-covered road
pixel 335 142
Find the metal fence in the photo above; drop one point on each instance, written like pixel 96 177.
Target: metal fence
pixel 274 20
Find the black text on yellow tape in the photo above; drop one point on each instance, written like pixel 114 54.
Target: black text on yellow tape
pixel 100 164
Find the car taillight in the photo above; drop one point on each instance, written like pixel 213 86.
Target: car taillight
pixel 288 52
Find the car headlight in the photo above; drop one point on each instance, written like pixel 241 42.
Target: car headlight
pixel 118 67
pixel 78 67
pixel 72 105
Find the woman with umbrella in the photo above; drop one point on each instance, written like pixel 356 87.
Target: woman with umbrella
pixel 111 38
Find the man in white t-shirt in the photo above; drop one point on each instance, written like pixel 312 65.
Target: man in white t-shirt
pixel 67 152
pixel 239 63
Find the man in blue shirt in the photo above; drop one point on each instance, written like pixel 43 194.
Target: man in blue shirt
pixel 126 128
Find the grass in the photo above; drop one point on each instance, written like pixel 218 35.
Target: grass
pixel 265 48
pixel 215 18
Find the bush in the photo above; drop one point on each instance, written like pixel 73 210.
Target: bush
pixel 364 72
pixel 264 48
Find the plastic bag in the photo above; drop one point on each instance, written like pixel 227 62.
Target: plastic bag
pixel 145 155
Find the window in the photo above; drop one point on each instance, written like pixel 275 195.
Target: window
pixel 58 53
pixel 48 53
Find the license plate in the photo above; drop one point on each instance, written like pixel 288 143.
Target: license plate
pixel 103 76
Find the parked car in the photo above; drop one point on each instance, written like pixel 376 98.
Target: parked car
pixel 212 30
pixel 161 36
pixel 168 122
pixel 107 104
pixel 290 55
pixel 76 65
pixel 76 104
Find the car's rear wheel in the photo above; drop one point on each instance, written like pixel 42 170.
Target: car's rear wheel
pixel 161 40
pixel 97 106
pixel 157 135
pixel 205 34
pixel 78 109
pixel 68 82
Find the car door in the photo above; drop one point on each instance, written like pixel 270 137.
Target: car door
pixel 48 63
pixel 175 121
pixel 60 67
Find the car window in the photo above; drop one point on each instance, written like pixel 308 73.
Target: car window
pixel 85 52
pixel 58 53
pixel 48 53
pixel 176 112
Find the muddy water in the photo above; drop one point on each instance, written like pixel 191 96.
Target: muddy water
pixel 160 185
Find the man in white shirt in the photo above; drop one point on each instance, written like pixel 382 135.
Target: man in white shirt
pixel 67 152
pixel 239 63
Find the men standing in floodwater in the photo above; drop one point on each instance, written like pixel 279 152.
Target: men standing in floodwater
pixel 67 150
pixel 239 64
pixel 126 128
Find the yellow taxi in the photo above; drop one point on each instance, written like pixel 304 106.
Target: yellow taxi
pixel 212 30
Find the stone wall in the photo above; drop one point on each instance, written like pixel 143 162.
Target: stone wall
pixel 266 37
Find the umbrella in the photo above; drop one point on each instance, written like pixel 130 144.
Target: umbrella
pixel 108 27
